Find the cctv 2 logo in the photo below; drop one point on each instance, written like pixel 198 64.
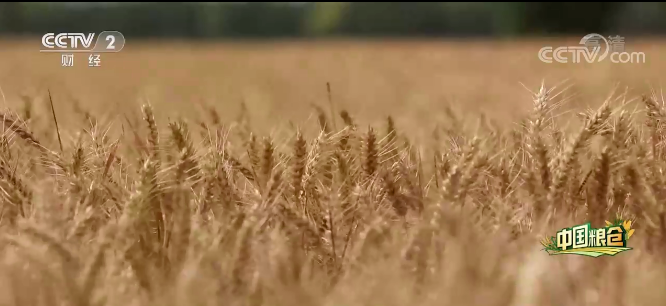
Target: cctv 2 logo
pixel 107 41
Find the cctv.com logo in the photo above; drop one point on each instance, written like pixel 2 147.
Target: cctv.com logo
pixel 590 51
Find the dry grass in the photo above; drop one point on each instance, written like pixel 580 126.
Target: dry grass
pixel 174 202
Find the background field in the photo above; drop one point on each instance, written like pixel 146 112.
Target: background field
pixel 280 81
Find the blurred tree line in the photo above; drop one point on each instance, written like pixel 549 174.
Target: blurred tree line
pixel 326 19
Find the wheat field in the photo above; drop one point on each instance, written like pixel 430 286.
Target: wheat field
pixel 327 173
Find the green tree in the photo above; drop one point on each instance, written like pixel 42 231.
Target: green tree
pixel 325 18
pixel 11 17
pixel 556 18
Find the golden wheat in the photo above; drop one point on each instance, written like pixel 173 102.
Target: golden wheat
pixel 350 216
